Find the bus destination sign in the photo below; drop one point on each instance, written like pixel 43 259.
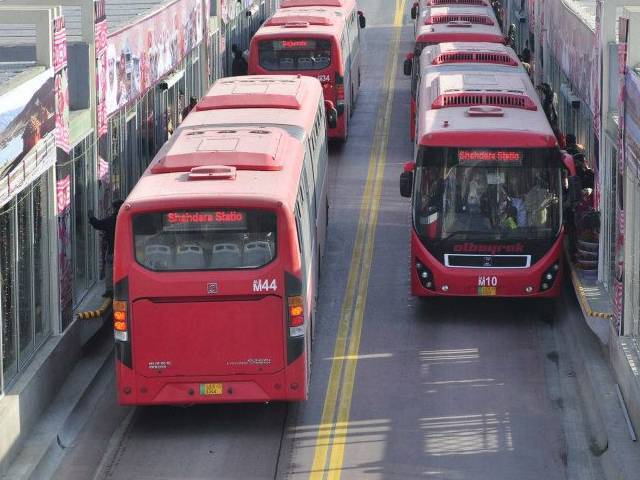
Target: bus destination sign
pixel 294 44
pixel 205 220
pixel 501 156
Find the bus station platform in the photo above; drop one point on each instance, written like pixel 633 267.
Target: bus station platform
pixel 612 400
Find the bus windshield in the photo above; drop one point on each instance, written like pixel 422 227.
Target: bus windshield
pixel 487 194
pixel 205 239
pixel 294 54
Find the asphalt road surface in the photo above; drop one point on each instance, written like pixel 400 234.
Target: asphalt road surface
pixel 401 388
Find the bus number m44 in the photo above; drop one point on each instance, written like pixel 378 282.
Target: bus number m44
pixel 265 285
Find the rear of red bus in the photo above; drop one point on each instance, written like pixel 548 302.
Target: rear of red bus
pixel 208 307
pixel 295 51
pixel 435 34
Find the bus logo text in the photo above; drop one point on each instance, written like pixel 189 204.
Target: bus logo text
pixel 490 248
pixel 265 285
pixel 212 288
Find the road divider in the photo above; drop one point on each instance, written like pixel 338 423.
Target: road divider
pixel 332 432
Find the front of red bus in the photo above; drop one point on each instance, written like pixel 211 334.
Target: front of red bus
pixel 486 189
pixel 293 49
pixel 208 304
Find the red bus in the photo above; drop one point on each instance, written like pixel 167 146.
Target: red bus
pixel 218 248
pixel 321 42
pixel 454 56
pixel 452 31
pixel 486 188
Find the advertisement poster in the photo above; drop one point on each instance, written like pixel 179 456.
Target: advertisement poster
pixel 101 65
pixel 632 122
pixel 141 54
pixel 573 46
pixel 618 281
pixel 61 84
pixel 27 114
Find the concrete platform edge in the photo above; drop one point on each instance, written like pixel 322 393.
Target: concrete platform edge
pixel 27 404
pixel 604 364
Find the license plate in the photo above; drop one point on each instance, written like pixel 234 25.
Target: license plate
pixel 210 389
pixel 487 291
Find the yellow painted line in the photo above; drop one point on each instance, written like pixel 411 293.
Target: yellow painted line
pixel 579 288
pixel 359 269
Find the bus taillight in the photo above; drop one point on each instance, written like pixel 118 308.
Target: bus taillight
pixel 339 93
pixel 120 329
pixel 296 316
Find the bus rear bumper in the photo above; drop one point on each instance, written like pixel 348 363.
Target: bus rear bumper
pixel 135 389
pixel 479 282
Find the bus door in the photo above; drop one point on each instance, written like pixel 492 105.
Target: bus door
pixel 208 295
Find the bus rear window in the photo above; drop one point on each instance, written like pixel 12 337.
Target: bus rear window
pixel 204 239
pixel 294 54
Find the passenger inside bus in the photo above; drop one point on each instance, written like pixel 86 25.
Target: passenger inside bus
pixel 290 55
pixel 162 246
pixel 490 200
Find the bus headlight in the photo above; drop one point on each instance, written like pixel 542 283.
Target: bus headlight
pixel 424 275
pixel 549 277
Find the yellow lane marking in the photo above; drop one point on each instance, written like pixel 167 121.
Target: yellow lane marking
pixel 344 365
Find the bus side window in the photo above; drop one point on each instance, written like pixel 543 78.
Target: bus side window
pixel 308 183
pixel 415 76
pixel 346 57
pixel 353 30
pixel 305 227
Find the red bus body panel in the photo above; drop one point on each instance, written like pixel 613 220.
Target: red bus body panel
pixel 463 282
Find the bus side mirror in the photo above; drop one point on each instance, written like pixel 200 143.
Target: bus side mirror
pixel 408 64
pixel 414 11
pixel 406 184
pixel 332 114
pixel 406 179
pixel 362 19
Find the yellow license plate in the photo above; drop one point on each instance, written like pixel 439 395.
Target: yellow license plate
pixel 210 389
pixel 487 291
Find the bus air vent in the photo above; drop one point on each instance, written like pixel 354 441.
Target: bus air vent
pixel 459 17
pixel 476 3
pixel 467 99
pixel 475 57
